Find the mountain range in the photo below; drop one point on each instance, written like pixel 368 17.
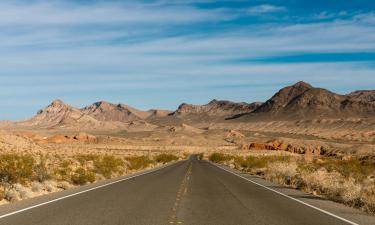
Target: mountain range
pixel 297 101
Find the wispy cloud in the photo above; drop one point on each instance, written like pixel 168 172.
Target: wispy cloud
pixel 265 8
pixel 61 13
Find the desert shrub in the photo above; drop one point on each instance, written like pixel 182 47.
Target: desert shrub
pixel 351 167
pixel 138 162
pixel 84 158
pixel 165 158
pixel 283 172
pixel 348 168
pixel 63 185
pixel 368 195
pixel 49 185
pixel 64 170
pixel 82 176
pixel 252 162
pixel 11 195
pixel 220 157
pixel 108 165
pixel 41 171
pixel 16 168
pixel 36 187
pixel 23 192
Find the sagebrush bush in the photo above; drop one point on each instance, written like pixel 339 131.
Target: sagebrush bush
pixel 41 171
pixel 64 170
pixel 165 158
pixel 11 195
pixel 282 172
pixel 82 176
pixel 262 162
pixel 84 158
pixel 138 162
pixel 16 168
pixel 108 165
pixel 351 167
pixel 220 157
pixel 36 187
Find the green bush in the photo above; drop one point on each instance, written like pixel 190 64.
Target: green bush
pixel 16 168
pixel 200 156
pixel 108 165
pixel 220 157
pixel 138 162
pixel 82 176
pixel 165 158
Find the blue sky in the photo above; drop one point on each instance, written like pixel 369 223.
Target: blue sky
pixel 159 53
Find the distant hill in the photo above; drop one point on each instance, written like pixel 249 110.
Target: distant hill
pixel 302 100
pixel 298 101
pixel 95 116
pixel 105 111
pixel 216 108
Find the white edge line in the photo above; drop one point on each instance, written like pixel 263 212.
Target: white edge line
pixel 287 196
pixel 87 190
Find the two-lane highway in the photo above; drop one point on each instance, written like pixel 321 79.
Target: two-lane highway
pixel 187 192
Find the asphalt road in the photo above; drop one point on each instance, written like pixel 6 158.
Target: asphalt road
pixel 188 192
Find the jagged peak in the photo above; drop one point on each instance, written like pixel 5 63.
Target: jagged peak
pixel 302 84
pixel 58 102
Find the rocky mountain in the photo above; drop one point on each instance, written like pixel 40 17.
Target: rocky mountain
pixel 54 114
pixel 282 98
pixel 105 111
pixel 216 108
pixel 97 115
pixel 295 102
pixel 302 100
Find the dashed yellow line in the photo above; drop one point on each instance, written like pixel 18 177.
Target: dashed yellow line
pixel 180 194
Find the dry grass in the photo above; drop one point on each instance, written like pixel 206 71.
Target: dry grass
pixel 165 158
pixel 349 181
pixel 138 162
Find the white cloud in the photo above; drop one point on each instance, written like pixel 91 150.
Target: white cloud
pixel 60 13
pixel 265 8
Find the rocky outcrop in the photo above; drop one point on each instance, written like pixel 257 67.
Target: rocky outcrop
pixel 85 137
pixel 57 113
pixel 105 111
pixel 277 145
pixel 283 97
pixel 216 108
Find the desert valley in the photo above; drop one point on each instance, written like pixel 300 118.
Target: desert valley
pixel 300 124
pixel 306 119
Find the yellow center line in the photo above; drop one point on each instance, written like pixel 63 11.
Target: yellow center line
pixel 180 194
